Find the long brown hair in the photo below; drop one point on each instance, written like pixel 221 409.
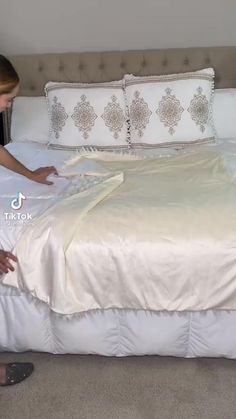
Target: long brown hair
pixel 9 78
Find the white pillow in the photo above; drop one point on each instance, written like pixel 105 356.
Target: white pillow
pixel 170 109
pixel 29 121
pixel 91 115
pixel 224 113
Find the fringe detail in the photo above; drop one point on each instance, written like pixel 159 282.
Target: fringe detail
pixel 101 155
pixel 211 116
pixel 127 115
pixel 50 130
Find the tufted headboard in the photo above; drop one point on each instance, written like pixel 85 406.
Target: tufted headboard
pixel 36 70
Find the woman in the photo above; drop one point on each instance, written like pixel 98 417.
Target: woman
pixel 9 87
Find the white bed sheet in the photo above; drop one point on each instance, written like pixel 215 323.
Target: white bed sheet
pixel 39 197
pixel 28 324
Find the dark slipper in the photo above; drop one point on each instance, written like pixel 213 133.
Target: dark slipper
pixel 17 372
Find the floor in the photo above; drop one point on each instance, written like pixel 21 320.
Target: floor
pixel 93 387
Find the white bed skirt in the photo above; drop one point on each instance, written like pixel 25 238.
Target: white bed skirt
pixel 27 324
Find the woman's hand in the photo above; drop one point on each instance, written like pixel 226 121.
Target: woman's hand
pixel 4 261
pixel 40 175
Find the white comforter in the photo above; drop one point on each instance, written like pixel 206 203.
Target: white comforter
pixel 157 234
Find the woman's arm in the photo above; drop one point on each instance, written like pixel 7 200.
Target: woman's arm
pixel 39 175
pixel 8 161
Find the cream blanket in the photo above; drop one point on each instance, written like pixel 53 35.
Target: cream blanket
pixel 157 234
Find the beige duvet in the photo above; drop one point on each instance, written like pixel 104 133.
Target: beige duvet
pixel 158 234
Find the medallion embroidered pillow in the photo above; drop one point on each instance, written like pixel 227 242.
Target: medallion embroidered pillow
pixel 171 109
pixel 91 115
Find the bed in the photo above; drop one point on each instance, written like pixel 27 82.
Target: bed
pixel 30 324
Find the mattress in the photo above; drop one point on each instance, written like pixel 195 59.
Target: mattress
pixel 29 324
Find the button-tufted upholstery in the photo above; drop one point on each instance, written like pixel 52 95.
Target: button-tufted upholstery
pixel 36 70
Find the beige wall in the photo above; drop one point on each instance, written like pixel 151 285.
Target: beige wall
pixel 30 26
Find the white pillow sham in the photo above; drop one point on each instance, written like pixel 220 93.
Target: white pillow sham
pixel 91 115
pixel 224 113
pixel 170 109
pixel 29 120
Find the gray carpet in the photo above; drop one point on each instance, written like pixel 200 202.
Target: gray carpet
pixel 92 387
